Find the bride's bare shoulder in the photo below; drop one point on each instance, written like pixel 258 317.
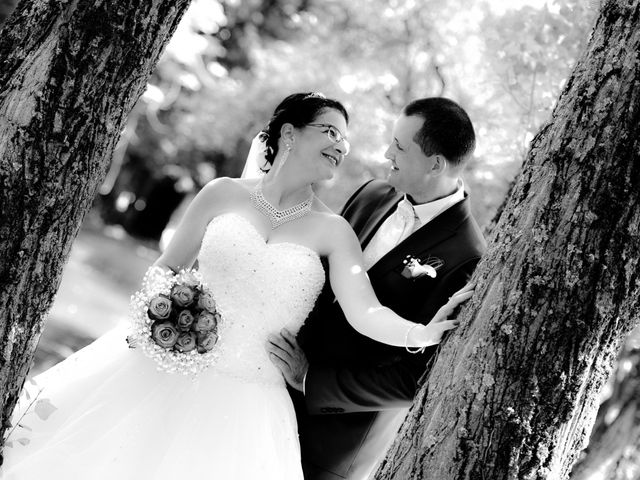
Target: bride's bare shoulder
pixel 333 234
pixel 228 188
pixel 220 195
pixel 247 184
pixel 331 222
pixel 320 207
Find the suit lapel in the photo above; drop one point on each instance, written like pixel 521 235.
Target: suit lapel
pixel 378 213
pixel 436 231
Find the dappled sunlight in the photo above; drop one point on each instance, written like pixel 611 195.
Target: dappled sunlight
pixel 355 270
pixel 103 270
pixel 499 7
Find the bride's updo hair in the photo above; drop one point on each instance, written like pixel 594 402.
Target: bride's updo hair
pixel 298 109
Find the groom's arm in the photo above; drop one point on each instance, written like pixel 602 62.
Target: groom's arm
pixel 348 389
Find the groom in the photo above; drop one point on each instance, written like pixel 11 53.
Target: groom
pixel 420 244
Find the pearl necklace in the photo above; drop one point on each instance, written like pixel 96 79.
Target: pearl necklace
pixel 275 216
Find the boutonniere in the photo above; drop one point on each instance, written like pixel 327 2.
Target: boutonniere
pixel 415 268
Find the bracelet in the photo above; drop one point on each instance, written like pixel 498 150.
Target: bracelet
pixel 406 341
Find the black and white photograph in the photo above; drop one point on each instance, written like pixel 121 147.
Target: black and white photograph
pixel 320 240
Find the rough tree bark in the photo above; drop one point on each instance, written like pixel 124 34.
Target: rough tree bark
pixel 514 391
pixel 70 72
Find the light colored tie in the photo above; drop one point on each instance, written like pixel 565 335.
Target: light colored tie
pixel 393 230
pixel 407 218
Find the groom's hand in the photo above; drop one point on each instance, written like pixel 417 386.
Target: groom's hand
pixel 287 355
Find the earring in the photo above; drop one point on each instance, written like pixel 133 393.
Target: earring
pixel 283 159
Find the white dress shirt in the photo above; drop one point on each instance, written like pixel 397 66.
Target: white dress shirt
pixel 405 220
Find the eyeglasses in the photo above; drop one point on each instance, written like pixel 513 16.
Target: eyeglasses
pixel 334 135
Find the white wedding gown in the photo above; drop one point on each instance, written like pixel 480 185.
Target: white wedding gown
pixel 119 418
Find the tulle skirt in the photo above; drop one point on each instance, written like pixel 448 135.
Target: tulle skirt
pixel 117 417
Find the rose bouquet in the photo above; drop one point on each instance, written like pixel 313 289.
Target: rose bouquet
pixel 175 321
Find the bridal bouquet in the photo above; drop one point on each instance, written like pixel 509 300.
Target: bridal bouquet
pixel 175 321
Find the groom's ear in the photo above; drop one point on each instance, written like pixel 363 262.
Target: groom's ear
pixel 439 165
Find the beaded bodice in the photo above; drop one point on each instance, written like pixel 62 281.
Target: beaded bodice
pixel 260 288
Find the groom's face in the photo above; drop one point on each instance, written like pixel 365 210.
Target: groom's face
pixel 410 167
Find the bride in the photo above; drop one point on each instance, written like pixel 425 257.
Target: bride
pixel 258 243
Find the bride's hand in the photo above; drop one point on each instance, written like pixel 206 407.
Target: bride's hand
pixel 431 334
pixel 455 300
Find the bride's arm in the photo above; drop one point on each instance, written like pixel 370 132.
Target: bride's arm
pixel 185 243
pixel 361 307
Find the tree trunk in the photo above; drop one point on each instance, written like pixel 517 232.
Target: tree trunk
pixel 70 72
pixel 514 391
pixel 614 446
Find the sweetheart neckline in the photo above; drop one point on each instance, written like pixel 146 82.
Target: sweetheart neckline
pixel 259 235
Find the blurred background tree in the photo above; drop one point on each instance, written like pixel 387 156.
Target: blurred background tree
pixel 231 62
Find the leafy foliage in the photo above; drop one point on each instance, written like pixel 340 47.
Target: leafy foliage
pixel 230 63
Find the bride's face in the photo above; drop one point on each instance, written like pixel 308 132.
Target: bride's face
pixel 321 146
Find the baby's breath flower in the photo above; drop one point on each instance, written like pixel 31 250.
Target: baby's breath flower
pixel 192 352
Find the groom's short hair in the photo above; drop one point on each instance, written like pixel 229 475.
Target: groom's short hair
pixel 447 129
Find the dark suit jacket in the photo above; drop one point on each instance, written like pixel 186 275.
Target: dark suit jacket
pixel 353 379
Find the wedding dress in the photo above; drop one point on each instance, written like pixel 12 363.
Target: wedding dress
pixel 118 417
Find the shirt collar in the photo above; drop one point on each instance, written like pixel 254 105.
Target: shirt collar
pixel 427 211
